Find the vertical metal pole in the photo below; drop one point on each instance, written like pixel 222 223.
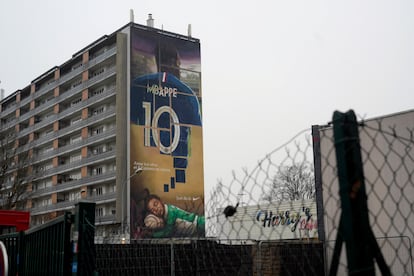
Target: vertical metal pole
pixel 259 259
pixel 316 139
pixel 67 247
pixel 320 210
pixel 172 259
pixel 354 225
pixel 21 256
pixel 84 246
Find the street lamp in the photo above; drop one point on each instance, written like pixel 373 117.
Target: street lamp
pixel 138 170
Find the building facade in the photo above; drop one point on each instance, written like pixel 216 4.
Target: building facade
pixel 66 136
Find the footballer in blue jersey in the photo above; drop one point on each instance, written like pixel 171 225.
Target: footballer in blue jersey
pixel 165 89
pixel 173 107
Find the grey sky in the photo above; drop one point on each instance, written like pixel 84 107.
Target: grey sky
pixel 269 68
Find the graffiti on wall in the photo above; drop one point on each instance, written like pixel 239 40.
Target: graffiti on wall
pixel 295 220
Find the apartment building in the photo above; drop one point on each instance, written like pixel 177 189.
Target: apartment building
pixel 67 132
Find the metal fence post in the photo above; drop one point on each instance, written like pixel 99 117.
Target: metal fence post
pixel 316 140
pixel 354 228
pixel 20 258
pixel 172 258
pixel 83 239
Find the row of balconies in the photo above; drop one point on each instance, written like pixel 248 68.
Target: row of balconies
pixel 77 90
pixel 107 135
pixel 59 99
pixel 99 220
pixel 110 112
pixel 60 81
pixel 91 159
pixel 74 184
pixel 69 204
pixel 55 135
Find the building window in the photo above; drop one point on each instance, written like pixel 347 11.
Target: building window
pixel 74 196
pixel 75 158
pixel 99 191
pixel 44 167
pixel 98 130
pixel 45 202
pixel 99 212
pixel 97 72
pixel 75 176
pixel 98 150
pixel 98 110
pixel 97 91
pixel 98 170
pixel 75 139
pixel 77 83
pixel 76 101
pixel 42 185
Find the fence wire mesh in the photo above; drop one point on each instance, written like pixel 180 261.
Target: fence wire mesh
pixel 283 216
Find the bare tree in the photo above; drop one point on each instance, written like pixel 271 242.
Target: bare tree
pixel 290 183
pixel 13 173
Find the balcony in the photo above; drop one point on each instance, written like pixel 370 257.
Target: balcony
pixel 64 205
pixel 105 220
pixel 72 91
pixel 84 104
pixel 107 135
pixel 45 122
pixel 66 186
pixel 47 88
pixel 75 165
pixel 27 100
pixel 40 108
pixel 107 114
pixel 103 198
pixel 8 110
pixel 108 73
pixel 44 139
pixel 98 59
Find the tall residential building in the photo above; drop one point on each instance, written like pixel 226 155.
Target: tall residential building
pixel 117 122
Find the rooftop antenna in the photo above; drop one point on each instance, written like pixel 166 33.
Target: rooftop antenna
pixel 131 15
pixel 150 21
pixel 1 93
pixel 189 30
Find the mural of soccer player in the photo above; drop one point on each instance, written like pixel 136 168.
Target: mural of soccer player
pixel 166 134
pixel 171 221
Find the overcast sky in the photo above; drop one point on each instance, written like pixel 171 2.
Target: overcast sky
pixel 269 68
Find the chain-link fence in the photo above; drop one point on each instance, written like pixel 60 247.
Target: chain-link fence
pixel 307 208
pixel 387 157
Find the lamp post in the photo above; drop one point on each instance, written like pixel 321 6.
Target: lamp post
pixel 137 171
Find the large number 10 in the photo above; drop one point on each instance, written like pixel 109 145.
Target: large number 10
pixel 153 126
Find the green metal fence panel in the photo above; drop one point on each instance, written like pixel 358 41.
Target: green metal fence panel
pixel 47 248
pixel 42 250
